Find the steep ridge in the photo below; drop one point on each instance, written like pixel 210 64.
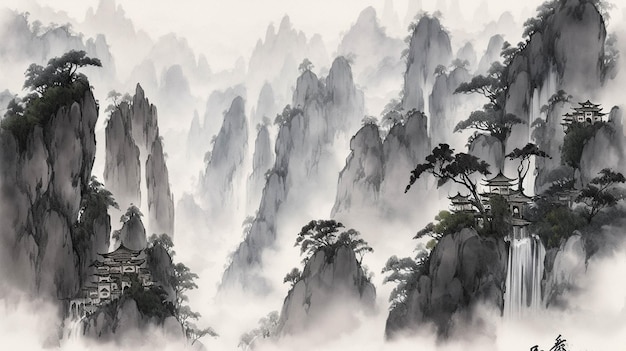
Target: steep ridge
pixel 332 286
pixel 322 110
pixel 44 183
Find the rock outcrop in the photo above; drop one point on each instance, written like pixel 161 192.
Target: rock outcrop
pixel 361 178
pixel 462 271
pixel 122 167
pixel 160 199
pixel 429 48
pixel 551 61
pixel 563 265
pixel 224 168
pixel 262 161
pixel 322 110
pixel 444 105
pixel 332 286
pixel 43 181
pixel 132 234
pixel 134 150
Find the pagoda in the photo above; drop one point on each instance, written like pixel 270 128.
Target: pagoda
pixel 112 276
pixel 517 201
pixel 460 203
pixel 587 112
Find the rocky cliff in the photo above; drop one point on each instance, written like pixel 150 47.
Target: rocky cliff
pixel 429 47
pixel 322 110
pixel 551 61
pixel 332 287
pixel 463 270
pixel 563 265
pixel 134 152
pixel 262 161
pixel 406 145
pixel 224 168
pixel 122 167
pixel 43 183
pixel 445 106
pixel 361 178
pixel 160 199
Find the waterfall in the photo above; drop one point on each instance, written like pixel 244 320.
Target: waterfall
pixel 524 274
pixel 74 330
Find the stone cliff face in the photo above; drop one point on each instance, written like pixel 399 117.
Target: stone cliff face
pixel 262 161
pixel 429 48
pixel 405 146
pixel 444 105
pixel 134 151
pixel 563 265
pixel 464 269
pixel 361 178
pixel 160 199
pixel 265 106
pixel 605 149
pixel 491 55
pixel 551 61
pixel 122 169
pixel 332 286
pixel 321 111
pixel 123 323
pixel 225 165
pixel 132 234
pixel 43 183
pixel 201 131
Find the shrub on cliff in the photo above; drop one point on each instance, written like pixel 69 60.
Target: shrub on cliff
pixel 51 87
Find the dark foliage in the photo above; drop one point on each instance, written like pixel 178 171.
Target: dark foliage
pixel 56 85
pixel 324 235
pixel 151 302
pixel 554 222
pixel 446 166
pixel 287 115
pixel 524 155
pixel 600 193
pixel 576 137
pixel 447 223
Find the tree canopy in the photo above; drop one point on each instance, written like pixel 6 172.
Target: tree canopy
pixel 600 193
pixel 492 119
pixel 324 235
pixel 305 65
pixel 60 71
pixel 447 223
pixel 523 155
pixel 50 88
pixel 447 166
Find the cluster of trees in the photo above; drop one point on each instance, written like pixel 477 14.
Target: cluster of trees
pixel 287 115
pixel 404 272
pixel 182 280
pixel 324 235
pixel 492 119
pixel 95 201
pixel 51 87
pixel 267 328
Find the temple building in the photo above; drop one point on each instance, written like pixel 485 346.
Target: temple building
pixel 517 201
pixel 587 112
pixel 460 203
pixel 113 274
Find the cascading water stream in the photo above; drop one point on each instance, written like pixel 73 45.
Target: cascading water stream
pixel 524 274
